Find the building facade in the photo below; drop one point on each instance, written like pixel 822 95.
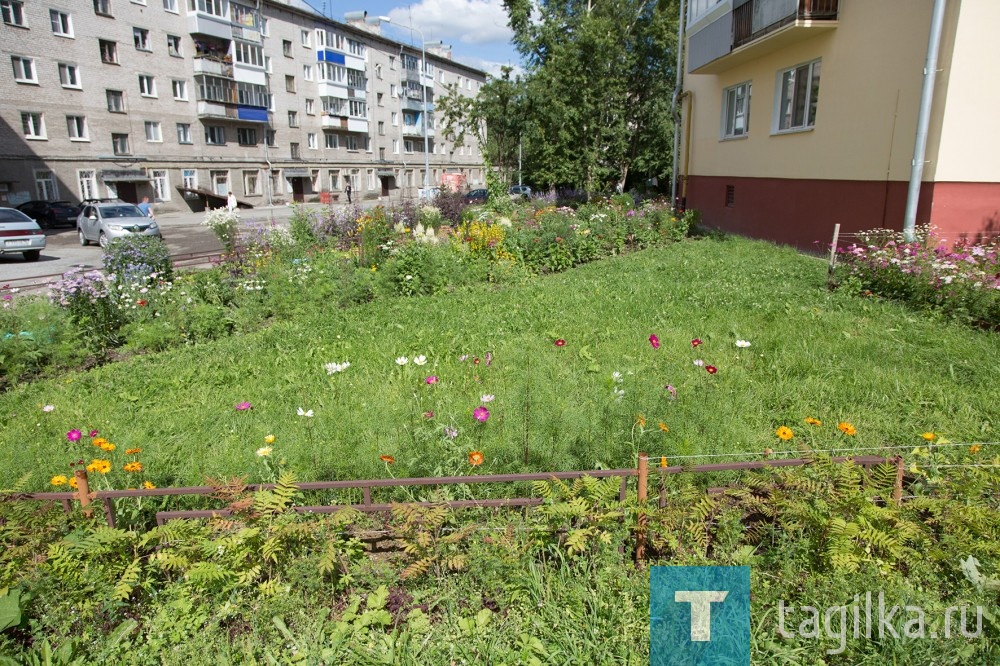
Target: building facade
pixel 179 99
pixel 801 114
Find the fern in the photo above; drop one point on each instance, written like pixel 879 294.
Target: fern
pixel 128 580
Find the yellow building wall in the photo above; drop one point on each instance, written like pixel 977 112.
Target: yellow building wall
pixel 871 74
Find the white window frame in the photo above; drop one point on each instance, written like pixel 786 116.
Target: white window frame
pixel 147 85
pixel 140 37
pixel 786 98
pixel 120 96
pixel 305 38
pixel 736 110
pixel 24 69
pixel 179 89
pixel 293 118
pixel 13 13
pixel 407 146
pixel 62 23
pixel 76 128
pixel 189 178
pixel 170 6
pixel 307 73
pixel 86 181
pixel 102 7
pixel 160 180
pixel 33 125
pixel 46 185
pixel 112 50
pixel 251 182
pixel 311 142
pixel 115 138
pixel 395 118
pixel 215 135
pixel 352 143
pixel 177 52
pixel 67 73
pixel 154 131
pixel 331 141
pixel 184 134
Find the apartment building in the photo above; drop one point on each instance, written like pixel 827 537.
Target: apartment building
pixel 801 114
pixel 179 99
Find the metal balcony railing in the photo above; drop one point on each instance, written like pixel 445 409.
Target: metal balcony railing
pixel 757 18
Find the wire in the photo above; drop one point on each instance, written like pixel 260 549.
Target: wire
pixel 802 453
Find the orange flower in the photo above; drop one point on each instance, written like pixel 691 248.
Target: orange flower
pixel 974 449
pixel 847 428
pixel 387 459
pixel 640 420
pixel 99 442
pixel 476 458
pixel 663 461
pixel 663 426
pixel 131 451
pixel 929 436
pixel 811 421
pixel 784 432
pixel 99 466
pixel 107 446
pixel 133 466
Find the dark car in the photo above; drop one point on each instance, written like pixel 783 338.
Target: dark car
pixel 476 196
pixel 51 213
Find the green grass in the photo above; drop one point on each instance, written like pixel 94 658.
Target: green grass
pixel 892 372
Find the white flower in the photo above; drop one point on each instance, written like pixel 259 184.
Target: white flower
pixel 408 278
pixel 699 362
pixel 302 412
pixel 420 360
pixel 742 344
pixel 265 450
pixel 489 397
pixel 402 360
pixel 48 408
pixel 332 368
pixel 617 377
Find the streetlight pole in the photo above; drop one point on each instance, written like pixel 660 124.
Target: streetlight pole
pixel 376 20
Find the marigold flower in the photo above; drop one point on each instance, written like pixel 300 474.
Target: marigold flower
pixel 481 414
pixel 58 480
pixel 129 452
pixel 108 446
pixel 640 420
pixel 811 421
pixel 974 449
pixel 74 435
pixel 72 482
pixel 148 486
pixel 711 369
pixel 663 426
pixel 846 428
pixel 387 459
pixel 784 432
pixel 560 343
pixel 476 458
pixel 269 439
pixel 663 461
pixel 99 442
pixel 695 342
pixel 99 466
pixel 133 466
pixel 929 436
pixel 655 341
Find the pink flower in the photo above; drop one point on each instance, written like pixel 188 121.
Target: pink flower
pixel 432 379
pixel 93 433
pixel 560 343
pixel 655 341
pixel 243 406
pixel 48 408
pixel 428 415
pixel 672 391
pixel 711 369
pixel 481 414
pixel 74 435
pixel 695 342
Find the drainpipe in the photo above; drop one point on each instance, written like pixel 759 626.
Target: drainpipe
pixel 923 120
pixel 678 86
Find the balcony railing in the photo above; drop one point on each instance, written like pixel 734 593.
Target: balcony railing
pixel 757 18
pixel 213 65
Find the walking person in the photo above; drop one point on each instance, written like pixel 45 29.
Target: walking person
pixel 231 204
pixel 146 207
pixel 348 190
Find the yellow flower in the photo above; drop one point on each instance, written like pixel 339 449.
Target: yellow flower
pixel 846 428
pixel 58 480
pixel 974 449
pixel 99 442
pixel 929 436
pixel 132 451
pixel 107 446
pixel 72 482
pixel 811 421
pixel 269 439
pixel 640 420
pixel 663 426
pixel 148 486
pixel 133 466
pixel 663 461
pixel 784 432
pixel 264 451
pixel 99 466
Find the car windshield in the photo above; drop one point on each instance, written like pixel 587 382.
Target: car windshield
pixel 121 211
pixel 10 215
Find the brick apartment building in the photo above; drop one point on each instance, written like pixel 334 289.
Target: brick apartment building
pixel 179 99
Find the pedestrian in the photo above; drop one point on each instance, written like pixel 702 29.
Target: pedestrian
pixel 231 204
pixel 146 207
pixel 348 190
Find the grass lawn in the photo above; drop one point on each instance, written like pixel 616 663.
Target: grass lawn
pixel 890 371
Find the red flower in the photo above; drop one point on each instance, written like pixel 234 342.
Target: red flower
pixel 695 342
pixel 655 341
pixel 141 303
pixel 711 369
pixel 560 343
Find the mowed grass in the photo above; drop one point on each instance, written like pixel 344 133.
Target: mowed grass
pixel 892 372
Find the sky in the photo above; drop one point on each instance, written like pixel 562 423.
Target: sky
pixel 476 30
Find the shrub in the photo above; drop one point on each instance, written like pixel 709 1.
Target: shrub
pixel 225 224
pixel 137 259
pixel 302 227
pixel 451 205
pixel 89 299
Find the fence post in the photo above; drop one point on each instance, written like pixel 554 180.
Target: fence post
pixel 662 503
pixel 833 254
pixel 897 491
pixel 640 533
pixel 83 490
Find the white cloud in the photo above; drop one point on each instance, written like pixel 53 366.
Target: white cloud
pixel 491 67
pixel 465 21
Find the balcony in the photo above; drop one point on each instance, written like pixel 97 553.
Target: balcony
pixel 214 66
pixel 208 109
pixel 200 23
pixel 753 28
pixel 332 122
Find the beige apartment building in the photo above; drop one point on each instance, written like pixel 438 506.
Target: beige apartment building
pixel 801 114
pixel 180 100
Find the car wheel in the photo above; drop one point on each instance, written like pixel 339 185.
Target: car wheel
pixel 32 255
pixel 83 239
pixel 102 240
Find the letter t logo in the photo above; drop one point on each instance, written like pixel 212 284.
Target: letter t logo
pixel 701 611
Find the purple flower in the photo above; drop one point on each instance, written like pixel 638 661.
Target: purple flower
pixel 243 406
pixel 74 435
pixel 481 414
pixel 672 391
pixel 432 379
pixel 450 433
pixel 489 358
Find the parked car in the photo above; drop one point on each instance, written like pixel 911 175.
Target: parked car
pixel 520 191
pixel 101 223
pixel 20 234
pixel 51 213
pixel 476 196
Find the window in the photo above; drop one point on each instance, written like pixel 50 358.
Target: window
pixel 378 97
pixel 45 184
pixel 270 138
pixel 263 26
pixel 161 184
pixel 307 72
pixel 381 128
pixel 170 6
pixel 392 90
pixel 289 83
pixel 109 52
pixel 293 118
pixel 331 141
pixel 69 75
pixel 251 182
pixel 730 196
pixel 356 48
pixel 352 142
pixel 408 146
pixel 267 64
pixel 119 144
pixel 294 150
pixel 246 136
pixel 189 178
pixel 33 125
pixel 310 107
pixel 736 111
pixel 153 134
pixel 359 109
pixel 286 47
pixel 13 12
pixel 249 54
pixel 392 62
pixel 213 7
pixel 116 101
pixel 180 90
pixel 141 38
pixel 371 178
pixel 24 69
pixel 184 133
pixel 395 119
pixel 215 135
pixel 311 141
pixel 62 25
pixel 87 181
pixel 76 128
pixel 147 85
pixel 174 46
pixel 102 7
pixel 334 177
pixel 356 79
pixel 305 38
pixel 798 93
pixel 395 146
pixel 381 154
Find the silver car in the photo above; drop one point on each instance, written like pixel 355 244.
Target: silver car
pixel 19 234
pixel 101 223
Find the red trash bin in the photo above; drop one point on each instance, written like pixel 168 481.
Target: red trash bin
pixel 324 198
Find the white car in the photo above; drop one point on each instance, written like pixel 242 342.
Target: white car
pixel 104 222
pixel 19 234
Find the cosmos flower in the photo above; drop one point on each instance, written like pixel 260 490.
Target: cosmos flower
pixel 481 414
pixel 655 341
